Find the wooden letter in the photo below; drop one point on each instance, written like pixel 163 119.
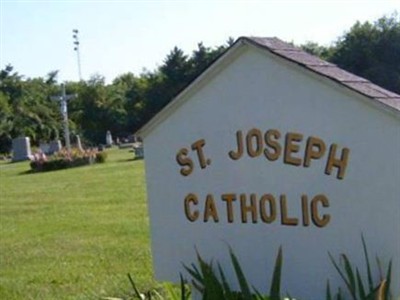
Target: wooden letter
pixel 256 135
pixel 341 163
pixel 184 161
pixel 191 198
pixel 272 208
pixel 271 137
pixel 252 208
pixel 304 209
pixel 285 220
pixel 229 198
pixel 198 147
pixel 210 210
pixel 239 152
pixel 317 220
pixel 291 147
pixel 311 152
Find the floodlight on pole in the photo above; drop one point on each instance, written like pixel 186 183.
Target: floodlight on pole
pixel 76 48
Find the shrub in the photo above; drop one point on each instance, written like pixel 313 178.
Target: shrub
pixel 64 159
pixel 101 157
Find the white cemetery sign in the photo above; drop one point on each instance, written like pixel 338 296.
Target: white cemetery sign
pixel 273 147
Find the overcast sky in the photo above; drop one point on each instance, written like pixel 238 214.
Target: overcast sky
pixel 128 36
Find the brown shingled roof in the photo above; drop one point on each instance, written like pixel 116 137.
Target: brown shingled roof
pixel 326 69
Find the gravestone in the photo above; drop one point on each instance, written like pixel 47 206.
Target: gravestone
pixel 272 147
pixel 21 149
pixel 55 146
pixel 78 143
pixel 50 148
pixel 45 148
pixel 109 140
pixel 138 150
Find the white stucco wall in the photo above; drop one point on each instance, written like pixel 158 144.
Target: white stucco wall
pixel 259 91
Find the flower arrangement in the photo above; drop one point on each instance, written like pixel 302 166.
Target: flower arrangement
pixel 66 159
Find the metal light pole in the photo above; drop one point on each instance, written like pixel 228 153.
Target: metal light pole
pixel 63 98
pixel 76 48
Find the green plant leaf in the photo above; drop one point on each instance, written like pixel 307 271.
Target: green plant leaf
pixel 339 295
pixel 289 297
pixel 156 293
pixel 379 264
pixel 328 291
pixel 225 285
pixel 212 287
pixel 137 293
pixel 372 294
pixel 388 281
pixel 276 277
pixel 369 273
pixel 240 276
pixel 361 290
pixel 341 273
pixel 350 275
pixel 259 296
pixel 170 291
pixel 148 294
pixel 183 288
pixel 194 272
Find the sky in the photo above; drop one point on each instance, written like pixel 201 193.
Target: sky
pixel 117 37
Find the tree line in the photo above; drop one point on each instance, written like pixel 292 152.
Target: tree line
pixel 370 50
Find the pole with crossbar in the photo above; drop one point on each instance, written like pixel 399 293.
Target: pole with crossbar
pixel 63 98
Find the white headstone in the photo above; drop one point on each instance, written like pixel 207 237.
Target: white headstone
pixel 109 140
pixel 21 149
pixel 138 150
pixel 55 146
pixel 78 143
pixel 45 148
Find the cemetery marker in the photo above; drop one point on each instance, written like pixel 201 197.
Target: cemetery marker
pixel 63 98
pixel 268 147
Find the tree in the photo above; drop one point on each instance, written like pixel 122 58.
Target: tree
pixel 370 50
pixel 131 93
pixel 26 109
pixel 318 50
pixel 5 123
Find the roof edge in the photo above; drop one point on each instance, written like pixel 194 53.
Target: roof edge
pixel 231 53
pixel 381 97
pixel 328 70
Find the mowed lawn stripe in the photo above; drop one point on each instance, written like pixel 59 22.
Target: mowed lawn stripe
pixel 75 233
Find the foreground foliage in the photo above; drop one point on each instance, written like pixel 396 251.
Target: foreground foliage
pixel 355 284
pixel 211 282
pixel 213 286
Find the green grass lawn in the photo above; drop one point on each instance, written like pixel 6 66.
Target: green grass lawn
pixel 75 233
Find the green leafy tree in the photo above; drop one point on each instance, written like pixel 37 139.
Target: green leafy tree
pixel 26 109
pixel 370 50
pixel 131 93
pixel 318 50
